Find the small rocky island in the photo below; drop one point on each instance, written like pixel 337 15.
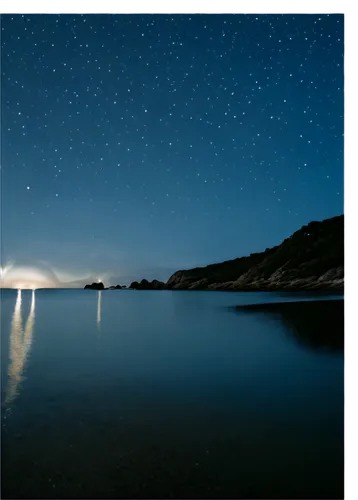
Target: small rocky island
pixel 100 286
pixel 95 286
pixel 311 259
pixel 148 285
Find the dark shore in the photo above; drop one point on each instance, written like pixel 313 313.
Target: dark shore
pixel 317 323
pixel 316 306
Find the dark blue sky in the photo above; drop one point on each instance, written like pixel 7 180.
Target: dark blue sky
pixel 136 145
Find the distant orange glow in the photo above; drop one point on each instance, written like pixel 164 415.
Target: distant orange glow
pixel 26 278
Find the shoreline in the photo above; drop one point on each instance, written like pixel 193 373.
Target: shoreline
pixel 291 305
pixel 328 291
pixel 318 324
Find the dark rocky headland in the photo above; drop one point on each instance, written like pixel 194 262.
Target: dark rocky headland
pixel 311 259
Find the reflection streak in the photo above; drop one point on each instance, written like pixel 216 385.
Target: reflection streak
pixel 20 344
pixel 99 310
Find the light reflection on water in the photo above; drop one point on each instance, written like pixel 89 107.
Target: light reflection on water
pixel 20 345
pixel 99 298
pixel 169 395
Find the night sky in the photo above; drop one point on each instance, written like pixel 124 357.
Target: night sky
pixel 137 145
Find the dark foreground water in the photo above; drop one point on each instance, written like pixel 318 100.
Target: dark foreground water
pixel 127 394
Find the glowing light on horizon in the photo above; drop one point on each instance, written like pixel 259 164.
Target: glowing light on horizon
pixel 25 287
pixel 27 278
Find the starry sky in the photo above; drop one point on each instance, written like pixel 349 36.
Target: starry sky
pixel 137 145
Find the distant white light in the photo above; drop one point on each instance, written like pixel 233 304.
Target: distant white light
pixel 26 278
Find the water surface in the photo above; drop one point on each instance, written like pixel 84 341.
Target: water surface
pixel 159 394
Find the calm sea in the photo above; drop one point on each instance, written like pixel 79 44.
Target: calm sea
pixel 159 394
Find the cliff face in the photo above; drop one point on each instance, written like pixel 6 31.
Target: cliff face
pixel 311 259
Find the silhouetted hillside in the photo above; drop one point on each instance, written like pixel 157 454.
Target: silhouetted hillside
pixel 311 259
